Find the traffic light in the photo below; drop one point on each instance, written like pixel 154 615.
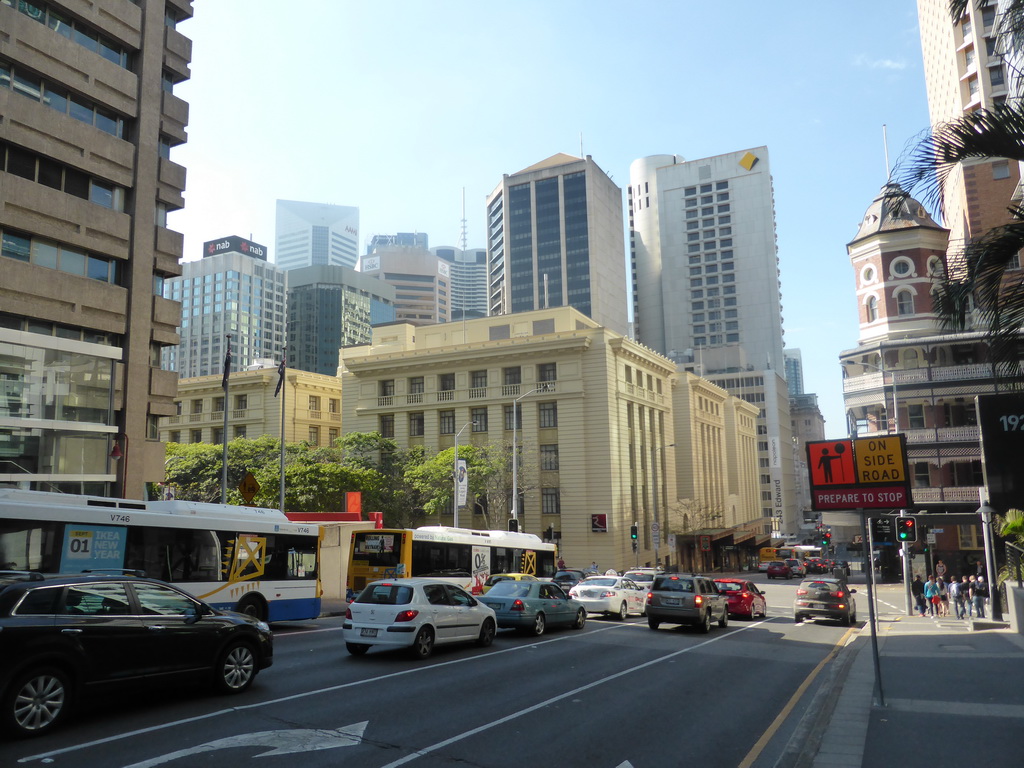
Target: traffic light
pixel 634 531
pixel 513 524
pixel 549 534
pixel 906 529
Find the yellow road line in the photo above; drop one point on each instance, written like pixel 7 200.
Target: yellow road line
pixel 769 734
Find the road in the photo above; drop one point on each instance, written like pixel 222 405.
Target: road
pixel 615 694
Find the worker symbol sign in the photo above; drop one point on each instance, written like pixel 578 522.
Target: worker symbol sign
pixel 831 462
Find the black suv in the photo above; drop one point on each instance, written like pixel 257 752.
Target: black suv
pixel 692 599
pixel 64 636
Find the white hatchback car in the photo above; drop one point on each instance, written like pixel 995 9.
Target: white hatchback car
pixel 614 595
pixel 416 613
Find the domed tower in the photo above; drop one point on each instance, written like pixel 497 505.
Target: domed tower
pixel 897 254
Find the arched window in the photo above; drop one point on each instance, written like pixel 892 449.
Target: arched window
pixel 872 309
pixel 910 359
pixel 905 303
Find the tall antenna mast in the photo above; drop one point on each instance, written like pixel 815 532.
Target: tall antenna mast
pixel 463 240
pixel 885 146
pixel 582 156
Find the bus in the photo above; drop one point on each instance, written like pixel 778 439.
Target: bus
pixel 245 559
pixel 766 555
pixel 798 552
pixel 460 555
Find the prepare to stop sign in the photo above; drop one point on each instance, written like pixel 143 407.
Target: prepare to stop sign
pixel 858 473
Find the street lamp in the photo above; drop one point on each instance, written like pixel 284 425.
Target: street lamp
pixel 455 476
pixel 654 473
pixel 515 452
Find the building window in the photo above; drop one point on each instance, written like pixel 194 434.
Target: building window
pixel 387 388
pixel 915 415
pixel 197 435
pixel 507 413
pixel 240 432
pixel 333 404
pixel 547 372
pixel 1000 169
pixel 416 424
pixel 218 435
pixel 218 405
pixel 332 435
pixel 549 457
pixel 175 437
pixel 479 417
pixel 547 415
pixel 478 379
pixel 871 309
pixel 197 406
pixel 314 435
pixel 446 422
pixel 513 375
pixel 905 303
pixel 446 382
pixel 314 403
pixel 387 425
pixel 416 385
pixel 550 503
pixel 922 477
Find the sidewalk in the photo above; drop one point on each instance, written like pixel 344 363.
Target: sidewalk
pixel 952 692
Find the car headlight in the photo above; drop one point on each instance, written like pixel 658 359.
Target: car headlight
pixel 263 626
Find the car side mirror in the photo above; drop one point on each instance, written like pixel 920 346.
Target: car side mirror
pixel 853 591
pixel 193 614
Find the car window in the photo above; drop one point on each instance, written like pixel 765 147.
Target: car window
pixel 435 594
pixel 386 594
pixel 551 592
pixel 39 602
pixel 102 599
pixel 728 586
pixel 599 582
pixel 627 584
pixel 509 589
pixel 459 596
pixel 673 584
pixel 161 601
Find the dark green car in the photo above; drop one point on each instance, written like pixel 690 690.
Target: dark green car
pixel 533 606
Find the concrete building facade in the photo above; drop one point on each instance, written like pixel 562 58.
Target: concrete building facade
pixel 232 290
pixel 555 240
pixel 88 123
pixel 316 234
pixel 421 281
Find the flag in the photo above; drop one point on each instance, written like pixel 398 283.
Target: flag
pixel 280 371
pixel 227 368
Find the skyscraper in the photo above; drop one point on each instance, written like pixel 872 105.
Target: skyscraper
pixel 89 124
pixel 555 240
pixel 233 290
pixel 468 271
pixel 421 281
pixel 313 234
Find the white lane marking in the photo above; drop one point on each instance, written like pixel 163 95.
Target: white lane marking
pixel 548 702
pixel 293 697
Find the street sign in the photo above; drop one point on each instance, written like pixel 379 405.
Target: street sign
pixel 880 459
pixel 866 473
pixel 881 528
pixel 831 462
pixel 248 487
pixel 656 532
pixel 705 543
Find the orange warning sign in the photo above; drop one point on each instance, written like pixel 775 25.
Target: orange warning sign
pixel 831 462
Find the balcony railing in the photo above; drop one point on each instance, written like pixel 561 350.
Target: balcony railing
pixel 966 434
pixel 963 494
pixel 909 376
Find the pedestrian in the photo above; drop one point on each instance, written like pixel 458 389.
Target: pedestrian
pixel 917 590
pixel 953 590
pixel 969 597
pixel 943 596
pixel 940 568
pixel 980 594
pixel 561 564
pixel 593 567
pixel 931 595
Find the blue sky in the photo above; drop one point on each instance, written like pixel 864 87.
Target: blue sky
pixel 397 107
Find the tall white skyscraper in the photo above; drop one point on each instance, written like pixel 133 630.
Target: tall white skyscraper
pixel 232 289
pixel 314 234
pixel 468 280
pixel 555 240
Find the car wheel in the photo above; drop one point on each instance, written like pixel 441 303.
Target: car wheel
pixel 724 621
pixel 236 668
pixel 653 623
pixel 798 618
pixel 623 611
pixel 705 624
pixel 487 631
pixel 539 625
pixel 36 702
pixel 423 645
pixel 357 649
pixel 581 619
pixel 253 606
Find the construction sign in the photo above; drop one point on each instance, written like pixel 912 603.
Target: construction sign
pixel 862 473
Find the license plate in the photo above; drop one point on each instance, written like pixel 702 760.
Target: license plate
pixel 368 633
pixel 670 600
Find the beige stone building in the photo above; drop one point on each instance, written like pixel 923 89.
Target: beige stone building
pixel 312 408
pixel 88 123
pixel 595 417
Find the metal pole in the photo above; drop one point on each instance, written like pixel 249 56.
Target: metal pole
pixel 284 391
pixel 515 467
pixel 455 477
pixel 869 565
pixel 905 549
pixel 654 472
pixel 224 435
pixel 990 566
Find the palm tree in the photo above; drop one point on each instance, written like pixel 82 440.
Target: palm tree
pixel 975 289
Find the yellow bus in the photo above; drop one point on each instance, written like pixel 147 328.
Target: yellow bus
pixel 768 554
pixel 460 555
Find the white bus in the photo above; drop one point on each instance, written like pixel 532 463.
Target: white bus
pixel 245 559
pixel 464 556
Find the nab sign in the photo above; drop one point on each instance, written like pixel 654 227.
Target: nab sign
pixel 865 473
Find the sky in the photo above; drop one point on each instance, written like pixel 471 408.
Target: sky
pixel 405 108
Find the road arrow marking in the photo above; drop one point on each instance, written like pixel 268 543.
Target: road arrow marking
pixel 280 742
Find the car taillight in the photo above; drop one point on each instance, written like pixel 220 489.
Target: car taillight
pixel 650 595
pixel 698 600
pixel 406 615
pixel 839 593
pixel 609 593
pixel 801 591
pixel 744 595
pixel 348 613
pixel 517 605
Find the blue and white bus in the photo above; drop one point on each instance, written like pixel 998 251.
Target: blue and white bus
pixel 246 559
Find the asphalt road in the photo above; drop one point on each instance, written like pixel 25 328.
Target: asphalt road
pixel 615 694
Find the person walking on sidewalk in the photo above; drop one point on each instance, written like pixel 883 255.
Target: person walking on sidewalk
pixel 931 595
pixel 943 597
pixel 917 590
pixel 969 597
pixel 954 596
pixel 979 595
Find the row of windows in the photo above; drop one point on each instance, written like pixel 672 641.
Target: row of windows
pixel 63 258
pixel 59 99
pixel 511 376
pixel 705 188
pixel 547 418
pixel 45 328
pixel 74 30
pixel 29 165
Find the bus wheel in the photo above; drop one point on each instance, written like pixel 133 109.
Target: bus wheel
pixel 251 605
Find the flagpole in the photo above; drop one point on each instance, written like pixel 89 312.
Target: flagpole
pixel 224 435
pixel 281 372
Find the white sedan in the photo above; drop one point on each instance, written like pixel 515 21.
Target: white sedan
pixel 614 595
pixel 417 614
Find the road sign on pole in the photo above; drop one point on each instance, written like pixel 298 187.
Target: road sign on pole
pixel 249 487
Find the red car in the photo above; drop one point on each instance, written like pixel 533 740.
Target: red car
pixel 745 599
pixel 779 570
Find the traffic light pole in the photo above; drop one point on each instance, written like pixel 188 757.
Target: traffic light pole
pixel 905 551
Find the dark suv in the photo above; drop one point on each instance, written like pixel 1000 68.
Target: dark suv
pixel 825 598
pixel 678 598
pixel 62 637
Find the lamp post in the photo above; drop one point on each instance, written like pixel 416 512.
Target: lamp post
pixel 654 477
pixel 986 512
pixel 515 452
pixel 455 476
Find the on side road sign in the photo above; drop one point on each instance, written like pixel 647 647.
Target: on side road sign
pixel 880 459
